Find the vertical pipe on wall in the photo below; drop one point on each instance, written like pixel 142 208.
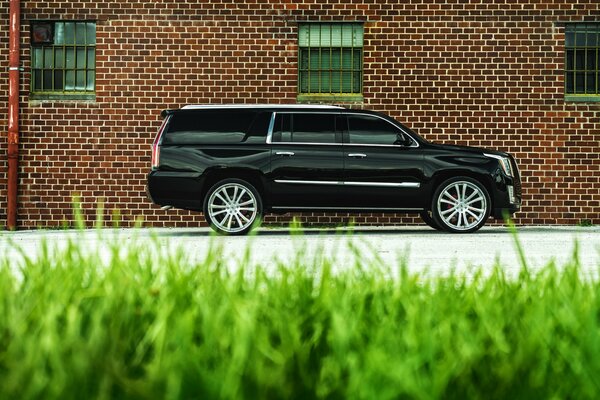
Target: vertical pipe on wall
pixel 13 112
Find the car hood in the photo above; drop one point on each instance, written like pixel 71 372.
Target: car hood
pixel 467 149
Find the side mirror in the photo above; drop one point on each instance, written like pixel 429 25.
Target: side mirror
pixel 402 140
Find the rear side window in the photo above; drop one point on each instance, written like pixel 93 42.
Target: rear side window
pixel 365 129
pixel 224 127
pixel 305 128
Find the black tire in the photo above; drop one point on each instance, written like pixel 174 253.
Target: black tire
pixel 238 202
pixel 428 219
pixel 461 205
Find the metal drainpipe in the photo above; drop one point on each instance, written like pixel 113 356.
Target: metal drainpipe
pixel 13 112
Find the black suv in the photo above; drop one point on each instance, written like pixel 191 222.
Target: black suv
pixel 237 162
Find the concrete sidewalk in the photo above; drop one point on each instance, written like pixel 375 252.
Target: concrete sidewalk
pixel 422 248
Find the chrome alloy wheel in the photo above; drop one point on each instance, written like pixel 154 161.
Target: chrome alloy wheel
pixel 232 208
pixel 462 205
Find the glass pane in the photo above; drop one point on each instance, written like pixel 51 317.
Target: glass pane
pixel 91 59
pixel 314 59
pixel 70 57
pixel 59 55
pixel 91 33
pixel 38 57
pixel 580 39
pixel 48 58
pixel 313 128
pixel 37 79
pixel 91 81
pixel 569 83
pixel 303 36
pixel 579 59
pixel 591 82
pixel 81 58
pixel 336 59
pixel 314 35
pixel 592 37
pixel 304 82
pixel 69 33
pixel 81 82
pixel 347 82
pixel 356 82
pixel 352 35
pixel 569 38
pixel 372 130
pixel 336 35
pixel 336 82
pixel 325 38
pixel 591 59
pixel 314 83
pixel 47 80
pixel 303 59
pixel 59 84
pixel 357 59
pixel 59 33
pixel 570 59
pixel 70 80
pixel 325 82
pixel 347 59
pixel 80 33
pixel 579 82
pixel 326 59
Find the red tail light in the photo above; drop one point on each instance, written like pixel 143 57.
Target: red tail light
pixel 156 144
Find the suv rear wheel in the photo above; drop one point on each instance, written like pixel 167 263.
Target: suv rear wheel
pixel 461 205
pixel 233 207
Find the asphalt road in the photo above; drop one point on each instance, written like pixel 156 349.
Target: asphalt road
pixel 423 249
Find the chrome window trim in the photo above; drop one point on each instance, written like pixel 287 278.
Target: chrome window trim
pixel 384 184
pixel 272 126
pixel 300 182
pixel 283 106
pixel 413 185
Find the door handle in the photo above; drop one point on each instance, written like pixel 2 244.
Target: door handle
pixel 357 155
pixel 285 153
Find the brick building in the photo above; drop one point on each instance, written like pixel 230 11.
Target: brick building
pixel 516 75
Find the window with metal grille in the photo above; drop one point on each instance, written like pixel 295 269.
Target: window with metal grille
pixel 330 59
pixel 63 59
pixel 582 60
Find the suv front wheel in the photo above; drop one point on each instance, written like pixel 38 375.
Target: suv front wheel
pixel 461 205
pixel 233 207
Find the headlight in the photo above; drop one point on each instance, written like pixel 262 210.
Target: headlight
pixel 504 163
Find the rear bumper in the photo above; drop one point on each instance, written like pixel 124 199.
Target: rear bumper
pixel 174 188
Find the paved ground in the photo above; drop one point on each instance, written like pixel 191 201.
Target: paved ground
pixel 423 249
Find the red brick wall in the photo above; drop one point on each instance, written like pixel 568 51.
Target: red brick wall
pixel 480 73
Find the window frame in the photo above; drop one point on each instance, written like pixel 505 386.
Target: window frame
pixel 330 95
pixel 576 27
pixel 64 94
pixel 395 124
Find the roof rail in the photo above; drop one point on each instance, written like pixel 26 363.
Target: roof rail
pixel 214 106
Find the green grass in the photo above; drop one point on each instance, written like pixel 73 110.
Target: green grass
pixel 146 323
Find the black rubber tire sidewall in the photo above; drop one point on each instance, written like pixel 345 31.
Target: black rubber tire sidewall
pixel 438 191
pixel 428 219
pixel 251 188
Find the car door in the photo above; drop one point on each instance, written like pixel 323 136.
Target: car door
pixel 306 160
pixel 383 165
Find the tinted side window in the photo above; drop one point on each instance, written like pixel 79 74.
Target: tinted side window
pixel 304 128
pixel 209 127
pixel 365 129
